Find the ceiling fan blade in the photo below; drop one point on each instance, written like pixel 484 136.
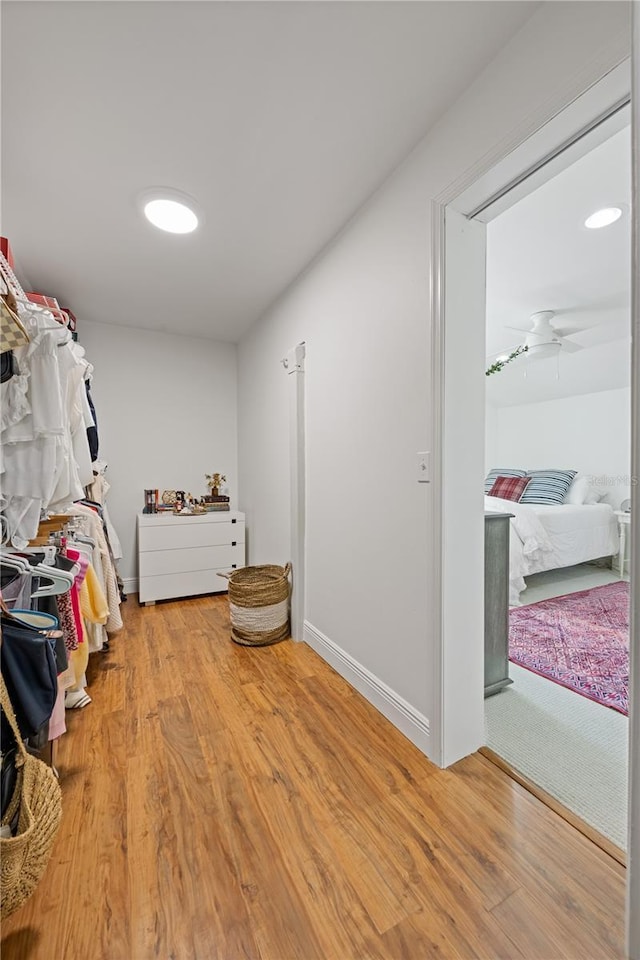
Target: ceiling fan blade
pixel 569 347
pixel 524 330
pixel 566 331
pixel 607 333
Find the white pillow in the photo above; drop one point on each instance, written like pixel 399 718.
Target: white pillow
pixel 579 491
pixel 594 495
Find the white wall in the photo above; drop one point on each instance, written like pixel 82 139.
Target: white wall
pixel 491 452
pixel 363 309
pixel 590 433
pixel 167 414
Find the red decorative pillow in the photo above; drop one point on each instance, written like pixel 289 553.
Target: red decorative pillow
pixel 509 488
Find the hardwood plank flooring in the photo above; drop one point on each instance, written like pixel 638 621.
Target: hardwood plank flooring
pixel 229 803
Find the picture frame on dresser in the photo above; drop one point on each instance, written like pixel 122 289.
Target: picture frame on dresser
pixel 181 556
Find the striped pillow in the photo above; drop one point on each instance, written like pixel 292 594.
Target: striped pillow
pixel 548 486
pixel 493 475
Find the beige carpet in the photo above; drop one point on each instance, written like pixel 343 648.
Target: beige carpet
pixel 573 748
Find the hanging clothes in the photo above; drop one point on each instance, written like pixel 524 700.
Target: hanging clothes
pixel 92 429
pixel 49 445
pixel 97 491
pixel 46 460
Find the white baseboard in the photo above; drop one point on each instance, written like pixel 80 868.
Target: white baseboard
pixel 402 715
pixel 130 585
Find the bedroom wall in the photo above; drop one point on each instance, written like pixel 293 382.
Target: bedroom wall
pixel 491 450
pixel 590 433
pixel 167 414
pixel 363 309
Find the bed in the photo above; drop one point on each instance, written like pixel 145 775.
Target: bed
pixel 549 537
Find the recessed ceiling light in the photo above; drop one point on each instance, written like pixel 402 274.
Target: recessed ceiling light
pixel 170 215
pixel 603 218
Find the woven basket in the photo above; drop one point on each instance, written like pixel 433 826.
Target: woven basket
pixel 38 798
pixel 259 604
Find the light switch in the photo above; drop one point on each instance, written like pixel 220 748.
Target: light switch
pixel 424 467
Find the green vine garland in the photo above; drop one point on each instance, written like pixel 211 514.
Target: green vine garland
pixel 497 365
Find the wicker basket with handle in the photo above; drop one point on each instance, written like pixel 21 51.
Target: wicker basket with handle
pixel 37 802
pixel 259 604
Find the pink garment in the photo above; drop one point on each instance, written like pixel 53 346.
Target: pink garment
pixel 83 561
pixel 77 616
pixel 57 725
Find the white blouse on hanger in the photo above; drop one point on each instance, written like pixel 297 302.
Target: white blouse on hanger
pixel 46 461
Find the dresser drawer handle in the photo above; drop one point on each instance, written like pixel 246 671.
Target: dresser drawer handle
pixel 234 543
pixel 234 520
pixel 234 565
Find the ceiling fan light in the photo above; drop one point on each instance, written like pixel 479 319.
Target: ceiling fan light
pixel 603 218
pixel 543 351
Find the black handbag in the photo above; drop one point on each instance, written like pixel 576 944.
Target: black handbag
pixel 9 776
pixel 30 673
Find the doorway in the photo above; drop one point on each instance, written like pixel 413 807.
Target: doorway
pixel 459 219
pixel 558 402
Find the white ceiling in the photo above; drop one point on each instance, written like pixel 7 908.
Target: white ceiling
pixel 280 119
pixel 540 256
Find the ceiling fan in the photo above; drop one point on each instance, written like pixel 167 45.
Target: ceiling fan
pixel 543 339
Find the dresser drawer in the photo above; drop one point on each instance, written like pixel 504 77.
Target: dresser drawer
pixel 188 559
pixel 170 585
pixel 191 533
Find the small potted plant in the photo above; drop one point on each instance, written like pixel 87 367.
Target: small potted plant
pixel 213 482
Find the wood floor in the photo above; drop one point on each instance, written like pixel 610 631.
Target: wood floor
pixel 224 803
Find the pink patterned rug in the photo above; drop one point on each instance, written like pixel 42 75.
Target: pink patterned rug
pixel 580 640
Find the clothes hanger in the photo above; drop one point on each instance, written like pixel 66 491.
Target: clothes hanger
pixel 59 581
pixel 34 312
pixel 47 564
pixel 17 563
pixel 41 568
pixel 81 538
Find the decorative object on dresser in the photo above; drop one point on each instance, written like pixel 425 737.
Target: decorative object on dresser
pixel 214 482
pixel 179 556
pixel 150 501
pixel 496 602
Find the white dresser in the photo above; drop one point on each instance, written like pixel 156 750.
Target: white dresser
pixel 181 556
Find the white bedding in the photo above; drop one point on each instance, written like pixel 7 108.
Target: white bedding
pixel 550 537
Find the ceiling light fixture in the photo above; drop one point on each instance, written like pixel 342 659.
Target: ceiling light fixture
pixel 603 218
pixel 171 216
pixel 169 210
pixel 542 351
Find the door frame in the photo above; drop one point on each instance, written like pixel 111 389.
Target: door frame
pixel 456 728
pixel 294 365
pixel 633 845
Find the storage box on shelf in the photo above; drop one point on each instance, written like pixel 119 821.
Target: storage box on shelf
pixel 180 556
pixel 5 250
